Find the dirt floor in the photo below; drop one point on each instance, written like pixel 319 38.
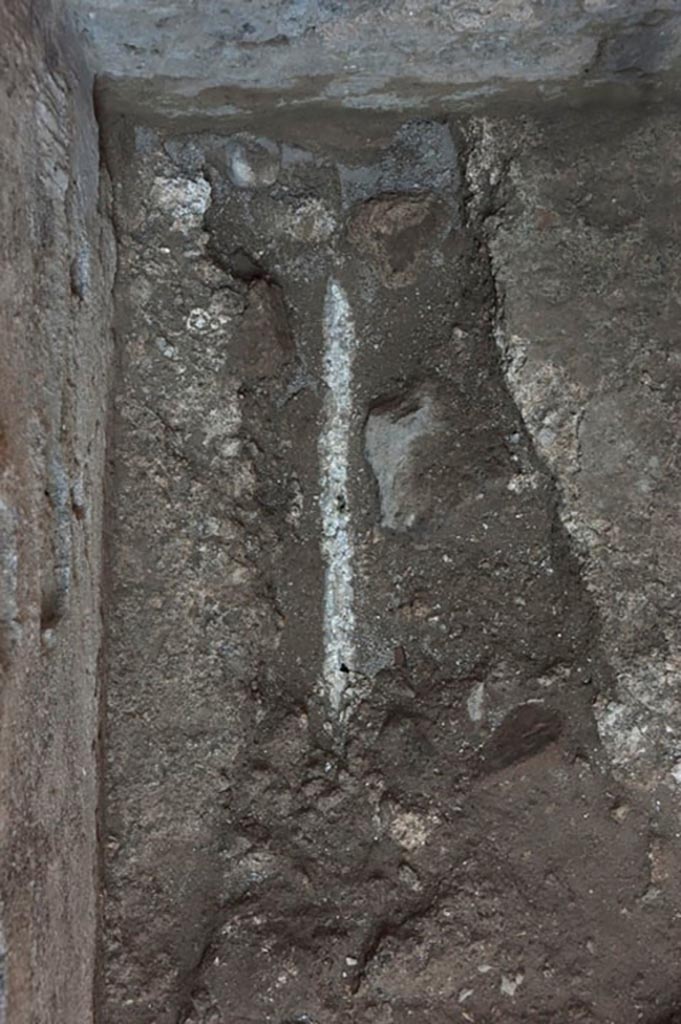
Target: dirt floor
pixel 393 732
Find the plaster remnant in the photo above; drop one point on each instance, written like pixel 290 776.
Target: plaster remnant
pixel 185 199
pixel 253 163
pixel 334 451
pixel 209 320
pixel 639 724
pixel 310 220
pixel 79 272
pixel 410 830
pixel 550 404
pixel 392 432
pixel 510 985
pixel 475 704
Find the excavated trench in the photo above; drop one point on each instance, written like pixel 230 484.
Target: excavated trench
pixel 364 717
pixel 339 588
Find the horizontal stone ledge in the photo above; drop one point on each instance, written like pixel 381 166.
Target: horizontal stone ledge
pixel 226 59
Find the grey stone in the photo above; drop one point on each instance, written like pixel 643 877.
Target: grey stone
pixel 221 59
pixel 392 432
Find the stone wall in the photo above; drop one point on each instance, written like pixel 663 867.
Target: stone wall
pixel 214 59
pixel 56 272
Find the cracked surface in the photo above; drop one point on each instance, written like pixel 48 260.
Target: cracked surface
pixel 478 841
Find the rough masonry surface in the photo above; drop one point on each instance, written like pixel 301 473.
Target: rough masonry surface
pixel 214 58
pixel 56 280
